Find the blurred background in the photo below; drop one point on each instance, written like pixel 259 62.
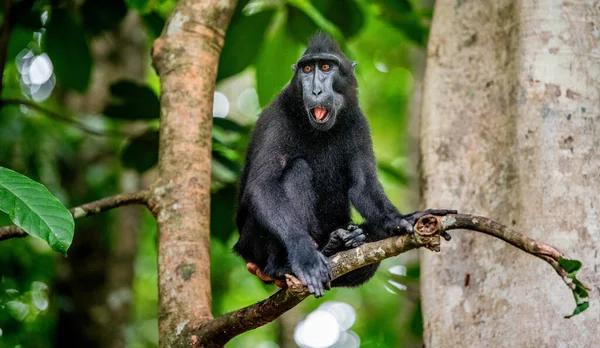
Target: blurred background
pixel 80 114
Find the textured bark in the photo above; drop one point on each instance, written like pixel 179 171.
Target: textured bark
pixel 186 57
pixel 510 130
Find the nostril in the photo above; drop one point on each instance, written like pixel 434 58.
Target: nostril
pixel 317 92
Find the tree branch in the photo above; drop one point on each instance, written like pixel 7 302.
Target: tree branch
pixel 73 122
pixel 428 231
pixel 91 208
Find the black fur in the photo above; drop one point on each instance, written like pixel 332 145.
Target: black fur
pixel 298 183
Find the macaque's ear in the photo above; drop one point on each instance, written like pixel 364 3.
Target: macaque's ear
pixel 354 64
pixel 294 67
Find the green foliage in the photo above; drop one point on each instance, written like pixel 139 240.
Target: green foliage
pixel 68 48
pixel 100 16
pixel 222 212
pixel 155 23
pixel 26 14
pixel 33 208
pixel 579 292
pixel 243 40
pixel 305 18
pixel 273 66
pixel 230 125
pixel 570 266
pixel 318 18
pixel 132 101
pixel 140 5
pixel 405 18
pixel 141 153
pixel 581 306
pixel 395 173
pixel 20 38
pixel 27 306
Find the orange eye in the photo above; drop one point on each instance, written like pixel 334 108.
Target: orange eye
pixel 325 67
pixel 307 69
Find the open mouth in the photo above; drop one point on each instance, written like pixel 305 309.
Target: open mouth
pixel 319 114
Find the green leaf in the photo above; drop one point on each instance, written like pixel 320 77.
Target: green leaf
pixel 139 5
pixel 273 66
pixel 410 24
pixel 580 308
pixel 226 162
pixel 318 18
pixel 395 173
pixel 409 21
pixel 99 16
pixel 4 219
pixel 222 212
pixel 67 46
pixel 350 20
pixel 132 101
pixel 141 153
pixel 579 290
pixel 416 322
pixel 256 6
pixel 299 25
pixel 20 38
pixel 229 125
pixel 33 208
pixel 39 295
pixel 396 5
pixel 243 41
pixel 24 14
pixel 569 266
pixel 17 310
pixel 154 23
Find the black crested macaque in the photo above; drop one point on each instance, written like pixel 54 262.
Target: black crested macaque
pixel 309 157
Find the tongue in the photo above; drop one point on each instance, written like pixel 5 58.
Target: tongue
pixel 320 113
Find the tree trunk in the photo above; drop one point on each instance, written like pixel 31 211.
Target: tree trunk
pixel 511 130
pixel 186 57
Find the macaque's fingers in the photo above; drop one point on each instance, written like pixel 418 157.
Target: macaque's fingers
pixel 406 226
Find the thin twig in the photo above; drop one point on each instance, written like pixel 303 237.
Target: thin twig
pixel 490 227
pixel 87 209
pixel 428 231
pixel 73 122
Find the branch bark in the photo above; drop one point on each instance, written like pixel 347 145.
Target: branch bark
pixel 428 231
pixel 91 208
pixel 186 57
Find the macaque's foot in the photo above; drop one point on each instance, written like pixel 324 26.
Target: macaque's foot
pixel 253 268
pixel 344 239
pixel 406 223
